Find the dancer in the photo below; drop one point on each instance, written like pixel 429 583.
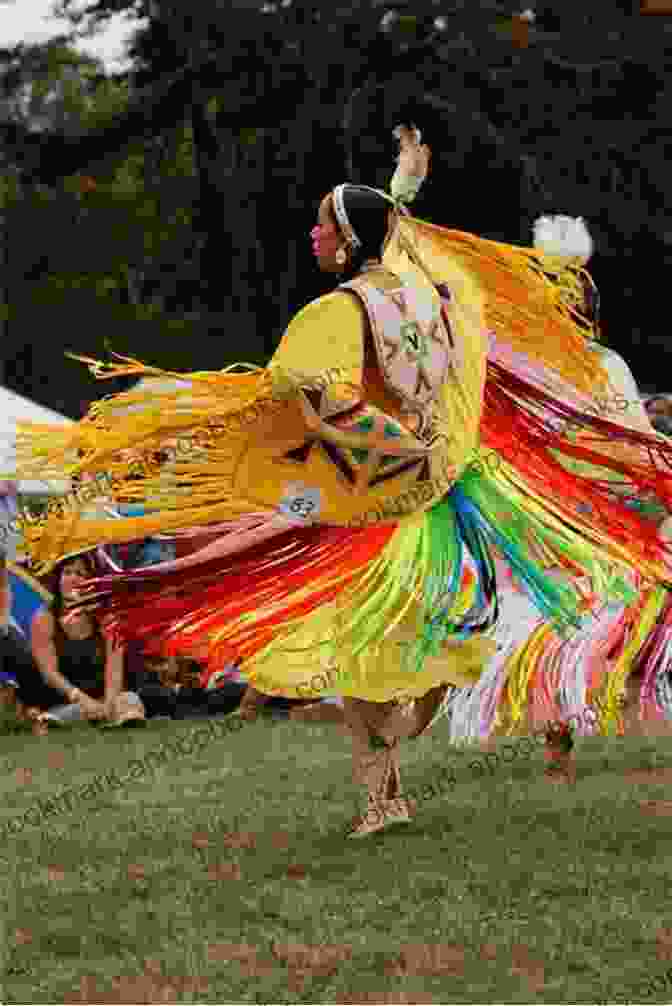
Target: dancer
pixel 355 527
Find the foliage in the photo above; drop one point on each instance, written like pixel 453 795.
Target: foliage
pixel 248 116
pixel 129 234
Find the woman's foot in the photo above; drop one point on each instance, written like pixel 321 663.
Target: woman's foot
pixel 380 814
pixel 39 722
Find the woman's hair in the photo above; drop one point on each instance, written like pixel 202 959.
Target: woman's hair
pixel 57 606
pixel 369 215
pixel 652 399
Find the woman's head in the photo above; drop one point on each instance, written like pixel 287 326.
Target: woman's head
pixel 355 222
pixel 66 579
pixel 69 575
pixel 363 215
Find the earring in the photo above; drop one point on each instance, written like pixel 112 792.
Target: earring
pixel 341 256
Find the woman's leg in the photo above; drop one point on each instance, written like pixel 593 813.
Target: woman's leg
pixel 158 700
pixel 67 713
pixel 224 699
pixel 32 690
pixel 377 729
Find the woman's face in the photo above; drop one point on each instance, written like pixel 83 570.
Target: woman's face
pixel 73 576
pixel 327 238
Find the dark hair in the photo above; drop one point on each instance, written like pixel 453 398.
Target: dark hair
pixel 368 214
pixel 57 606
pixel 591 302
pixel 655 398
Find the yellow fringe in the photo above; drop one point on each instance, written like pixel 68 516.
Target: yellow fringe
pixel 531 312
pixel 520 668
pixel 365 633
pixel 615 681
pixel 144 418
pixel 116 440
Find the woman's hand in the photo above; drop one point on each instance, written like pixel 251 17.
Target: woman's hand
pixel 91 709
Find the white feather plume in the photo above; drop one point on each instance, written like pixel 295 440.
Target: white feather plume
pixel 566 237
pixel 412 164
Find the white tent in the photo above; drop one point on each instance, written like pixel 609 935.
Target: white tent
pixel 13 409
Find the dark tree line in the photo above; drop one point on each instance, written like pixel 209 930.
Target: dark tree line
pixel 306 96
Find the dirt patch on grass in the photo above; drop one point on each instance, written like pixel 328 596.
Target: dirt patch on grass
pixel 659 808
pixel 648 775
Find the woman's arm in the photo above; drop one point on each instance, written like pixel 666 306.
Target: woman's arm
pixel 45 654
pixel 114 669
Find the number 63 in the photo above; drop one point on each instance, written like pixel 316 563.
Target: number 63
pixel 302 506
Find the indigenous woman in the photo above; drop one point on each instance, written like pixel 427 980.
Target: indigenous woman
pixel 352 523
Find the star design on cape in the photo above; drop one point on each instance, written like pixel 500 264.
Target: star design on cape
pixel 361 468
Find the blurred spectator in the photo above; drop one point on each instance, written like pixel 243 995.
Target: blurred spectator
pixel 77 672
pixel 28 596
pixel 6 517
pixel 141 553
pixel 12 646
pixel 172 687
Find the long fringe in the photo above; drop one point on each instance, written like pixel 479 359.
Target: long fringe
pixel 243 601
pixel 141 420
pixel 655 664
pixel 589 506
pixel 533 301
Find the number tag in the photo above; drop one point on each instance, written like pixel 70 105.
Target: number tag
pixel 301 503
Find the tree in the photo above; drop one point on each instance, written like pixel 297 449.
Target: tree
pixel 283 101
pixel 93 293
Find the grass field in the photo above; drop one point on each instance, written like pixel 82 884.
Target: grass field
pixel 200 880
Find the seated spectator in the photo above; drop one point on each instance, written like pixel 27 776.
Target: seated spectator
pixel 13 648
pixel 28 597
pixel 147 552
pixel 173 687
pixel 77 672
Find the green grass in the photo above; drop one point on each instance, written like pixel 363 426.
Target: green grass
pixel 580 877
